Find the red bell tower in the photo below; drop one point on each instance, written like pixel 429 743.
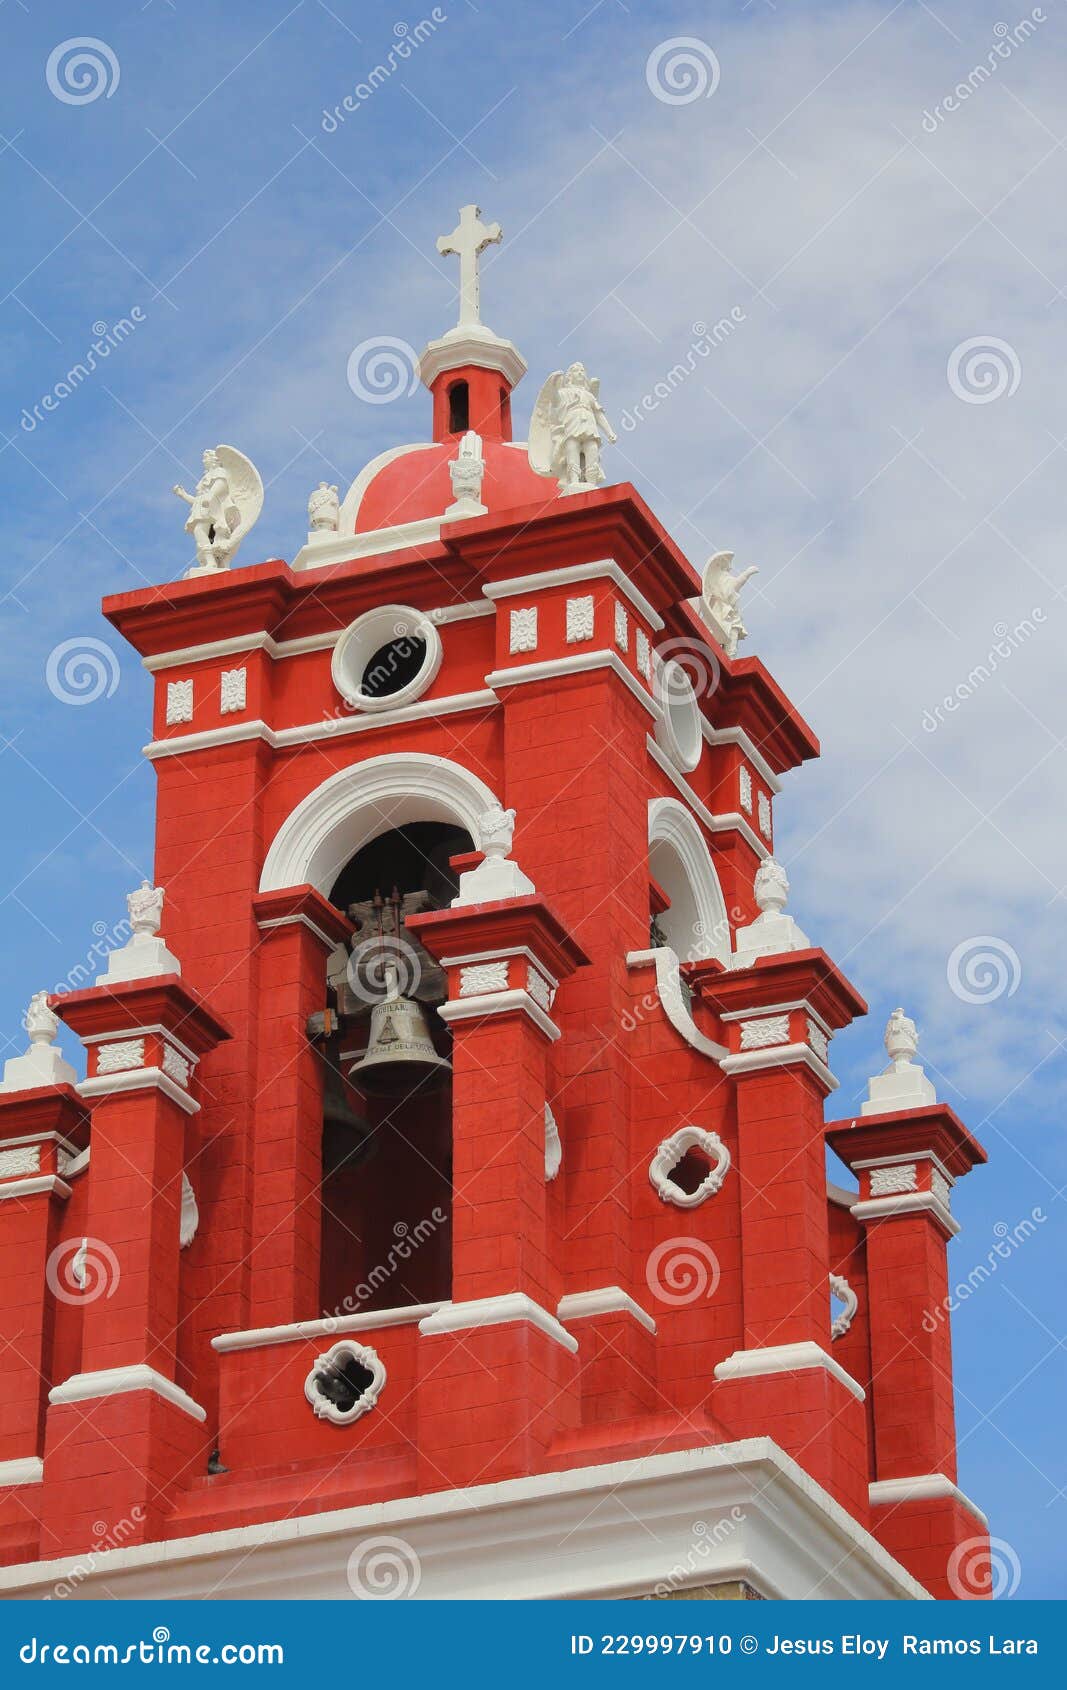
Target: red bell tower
pixel 445 1202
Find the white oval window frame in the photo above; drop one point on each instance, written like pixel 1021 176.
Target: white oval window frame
pixel 368 634
pixel 678 730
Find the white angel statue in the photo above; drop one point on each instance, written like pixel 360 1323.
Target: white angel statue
pixel 720 592
pixel 226 502
pixel 566 430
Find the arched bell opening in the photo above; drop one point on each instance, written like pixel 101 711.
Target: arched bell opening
pixel 387 1132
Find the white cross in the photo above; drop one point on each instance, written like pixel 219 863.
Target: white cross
pixel 468 239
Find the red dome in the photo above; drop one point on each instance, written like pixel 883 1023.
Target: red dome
pixel 410 483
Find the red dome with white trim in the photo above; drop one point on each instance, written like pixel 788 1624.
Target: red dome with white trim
pixel 410 483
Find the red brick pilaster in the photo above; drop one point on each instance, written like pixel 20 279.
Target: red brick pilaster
pixel 906 1164
pixel 39 1129
pixel 123 1430
pixel 777 1017
pixel 497 1366
pixel 299 928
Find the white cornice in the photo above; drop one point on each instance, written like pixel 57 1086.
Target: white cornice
pixel 581 663
pixel 504 951
pixel 779 1009
pixel 278 650
pixel 259 1337
pixel 180 745
pixel 499 1003
pixel 117 1381
pixel 606 570
pixel 923 1487
pixel 908 1203
pixel 424 709
pixel 839 1195
pixel 615 1530
pixel 140 1032
pixel 183 655
pixel 372 542
pixel 779 1056
pixel 31 1187
pixel 138 1079
pixel 25 1470
pixel 300 921
pixel 786 1358
pixel 608 1299
pixel 497 1311
pixel 905 1156
pixel 335 727
pixel 478 347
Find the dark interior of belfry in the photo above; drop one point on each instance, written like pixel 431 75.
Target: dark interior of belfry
pixel 387 1094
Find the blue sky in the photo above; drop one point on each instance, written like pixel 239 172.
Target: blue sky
pixel 881 431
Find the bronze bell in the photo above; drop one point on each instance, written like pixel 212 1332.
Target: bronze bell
pixel 400 1057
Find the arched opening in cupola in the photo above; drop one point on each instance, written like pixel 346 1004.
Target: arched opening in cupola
pixel 387 1130
pixel 459 408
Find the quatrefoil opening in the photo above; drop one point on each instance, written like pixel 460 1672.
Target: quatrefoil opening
pixel 676 1168
pixel 345 1383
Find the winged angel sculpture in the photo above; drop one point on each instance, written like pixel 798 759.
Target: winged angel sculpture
pixel 566 429
pixel 720 596
pixel 223 507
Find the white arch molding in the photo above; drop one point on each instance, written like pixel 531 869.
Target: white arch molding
pixel 696 925
pixel 355 805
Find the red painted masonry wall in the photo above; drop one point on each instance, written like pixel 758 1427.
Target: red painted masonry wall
pixel 566 734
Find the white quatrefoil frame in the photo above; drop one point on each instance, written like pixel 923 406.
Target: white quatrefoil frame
pixel 367 1358
pixel 669 1155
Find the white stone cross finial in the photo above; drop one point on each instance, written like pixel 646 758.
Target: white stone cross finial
pixel 467 241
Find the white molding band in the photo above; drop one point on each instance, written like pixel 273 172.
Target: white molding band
pixel 498 1311
pixel 783 1009
pixel 30 1187
pixel 840 1195
pixel 140 1033
pixel 26 1470
pixel 923 1487
pixel 300 920
pixel 904 1157
pixel 504 951
pixel 117 1381
pixel 738 737
pixel 779 1056
pixel 579 663
pixel 333 727
pixel 730 821
pixel 499 1003
pixel 138 1079
pixel 600 1532
pixel 670 996
pixel 279 650
pixel 517 586
pixel 349 547
pixel 608 1299
pixel 908 1203
pixel 335 1325
pixel 786 1358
